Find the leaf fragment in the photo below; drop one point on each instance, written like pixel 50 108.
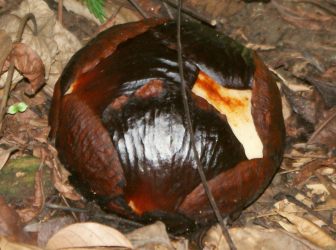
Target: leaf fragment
pixel 17 107
pixel 88 234
pixel 309 230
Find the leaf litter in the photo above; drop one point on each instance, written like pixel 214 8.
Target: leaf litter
pixel 305 71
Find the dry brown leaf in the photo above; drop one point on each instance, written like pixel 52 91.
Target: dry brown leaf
pixel 59 173
pixel 10 224
pixel 88 234
pixel 308 169
pixel 60 179
pixel 215 9
pixel 286 206
pixel 255 238
pixel 309 231
pixel 304 19
pixel 53 43
pixel 325 132
pixel 27 214
pixel 29 64
pixel 6 47
pixel 8 245
pixel 152 236
pixel 4 155
pixel 46 229
pixel 326 87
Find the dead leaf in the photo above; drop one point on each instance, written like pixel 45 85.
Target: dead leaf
pixel 308 230
pixel 308 169
pixel 60 179
pixel 27 214
pixel 5 154
pixel 326 87
pixel 6 47
pixel 29 64
pixel 255 238
pixel 8 245
pixel 304 19
pixel 325 132
pixel 152 236
pixel 53 43
pixel 59 173
pixel 215 9
pixel 10 224
pixel 46 229
pixel 256 46
pixel 152 8
pixel 88 234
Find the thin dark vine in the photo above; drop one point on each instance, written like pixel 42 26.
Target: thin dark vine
pixel 192 135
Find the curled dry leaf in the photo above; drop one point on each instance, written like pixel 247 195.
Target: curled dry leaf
pixel 29 64
pixel 6 47
pixel 59 173
pixel 8 245
pixel 325 132
pixel 60 179
pixel 10 224
pixel 54 44
pixel 255 238
pixel 46 229
pixel 309 231
pixel 154 235
pixel 27 214
pixel 4 155
pixel 88 234
pixel 303 18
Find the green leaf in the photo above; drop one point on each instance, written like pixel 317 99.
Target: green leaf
pixel 96 7
pixel 17 107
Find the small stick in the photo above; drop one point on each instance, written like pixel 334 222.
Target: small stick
pixel 67 204
pixel 8 82
pixel 138 8
pixel 321 127
pixel 192 13
pixel 192 135
pixel 119 220
pixel 60 11
pixel 64 208
pixel 99 215
pixel 169 12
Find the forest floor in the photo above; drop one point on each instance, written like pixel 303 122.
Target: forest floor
pixel 297 41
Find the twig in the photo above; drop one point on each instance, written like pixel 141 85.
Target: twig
pixel 60 11
pixel 192 13
pixel 291 198
pixel 320 128
pixel 8 82
pixel 138 8
pixel 67 204
pixel 119 220
pixel 168 10
pixel 192 136
pixel 64 208
pixel 99 215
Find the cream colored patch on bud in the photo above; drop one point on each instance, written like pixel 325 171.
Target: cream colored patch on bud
pixel 133 207
pixel 236 106
pixel 70 90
